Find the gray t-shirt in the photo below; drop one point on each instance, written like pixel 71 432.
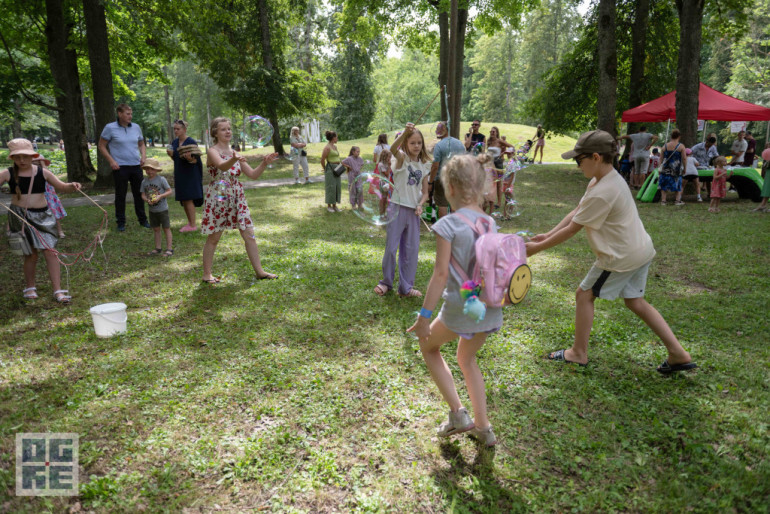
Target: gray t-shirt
pixel 463 239
pixel 157 185
pixel 641 141
pixel 445 149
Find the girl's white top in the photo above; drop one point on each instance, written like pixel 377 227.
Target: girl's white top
pixel 408 181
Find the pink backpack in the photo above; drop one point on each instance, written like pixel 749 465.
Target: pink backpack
pixel 501 268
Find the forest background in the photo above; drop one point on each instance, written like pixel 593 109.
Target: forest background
pixel 65 64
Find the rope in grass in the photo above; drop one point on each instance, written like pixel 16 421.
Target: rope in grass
pixel 68 259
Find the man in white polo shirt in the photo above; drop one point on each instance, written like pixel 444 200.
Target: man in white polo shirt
pixel 122 144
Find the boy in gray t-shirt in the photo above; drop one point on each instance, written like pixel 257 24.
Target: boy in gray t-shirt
pixel 154 190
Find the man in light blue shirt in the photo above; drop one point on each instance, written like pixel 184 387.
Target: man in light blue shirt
pixel 445 149
pixel 122 144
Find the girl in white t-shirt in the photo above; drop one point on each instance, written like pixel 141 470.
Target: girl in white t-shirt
pixel 411 169
pixel 382 144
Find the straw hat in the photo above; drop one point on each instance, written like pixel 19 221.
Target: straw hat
pixel 189 149
pixel 20 146
pixel 151 163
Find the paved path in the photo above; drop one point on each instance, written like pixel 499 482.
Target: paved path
pixel 109 199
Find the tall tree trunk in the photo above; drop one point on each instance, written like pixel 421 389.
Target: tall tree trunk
pixel 462 23
pixel 101 81
pixel 267 62
pixel 64 70
pixel 638 55
pixel 169 126
pixel 508 56
pixel 608 67
pixel 454 124
pixel 16 125
pixel 307 55
pixel 443 52
pixel 688 69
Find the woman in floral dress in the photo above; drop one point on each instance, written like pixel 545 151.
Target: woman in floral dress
pixel 225 205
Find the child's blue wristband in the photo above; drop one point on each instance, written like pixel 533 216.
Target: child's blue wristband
pixel 425 313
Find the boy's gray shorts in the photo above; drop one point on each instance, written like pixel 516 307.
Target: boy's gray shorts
pixel 608 285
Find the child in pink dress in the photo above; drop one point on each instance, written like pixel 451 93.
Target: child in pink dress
pixel 353 163
pixel 719 183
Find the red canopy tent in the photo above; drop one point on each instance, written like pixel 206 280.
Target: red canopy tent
pixel 712 105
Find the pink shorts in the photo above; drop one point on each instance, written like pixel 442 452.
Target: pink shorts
pixel 540 142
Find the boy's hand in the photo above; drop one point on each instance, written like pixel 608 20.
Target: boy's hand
pixel 421 328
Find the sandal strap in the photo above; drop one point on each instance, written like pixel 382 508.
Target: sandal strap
pixel 29 289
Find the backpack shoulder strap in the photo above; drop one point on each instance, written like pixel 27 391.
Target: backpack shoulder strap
pixel 480 227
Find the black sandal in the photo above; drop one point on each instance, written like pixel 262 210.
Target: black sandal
pixel 157 251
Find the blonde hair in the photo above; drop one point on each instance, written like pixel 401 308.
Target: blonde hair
pixel 720 162
pixel 466 175
pixel 294 129
pixel 214 127
pixel 386 156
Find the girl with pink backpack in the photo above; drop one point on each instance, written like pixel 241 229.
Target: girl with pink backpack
pixel 463 179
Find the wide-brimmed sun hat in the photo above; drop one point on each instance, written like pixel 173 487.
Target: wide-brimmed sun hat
pixel 595 141
pixel 21 146
pixel 151 163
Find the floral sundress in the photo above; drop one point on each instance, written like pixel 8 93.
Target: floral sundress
pixel 230 213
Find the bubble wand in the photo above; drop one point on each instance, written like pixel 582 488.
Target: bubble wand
pixel 428 107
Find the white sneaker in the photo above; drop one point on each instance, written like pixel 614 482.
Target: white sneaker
pixel 458 423
pixel 485 436
pixel 330 209
pixel 700 199
pixel 296 181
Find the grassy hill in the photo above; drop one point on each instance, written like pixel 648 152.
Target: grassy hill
pixel 515 134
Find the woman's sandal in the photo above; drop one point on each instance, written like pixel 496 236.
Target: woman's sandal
pixel 30 293
pixel 61 296
pixel 157 251
pixel 169 252
pixel 381 290
pixel 267 276
pixel 413 293
pixel 212 281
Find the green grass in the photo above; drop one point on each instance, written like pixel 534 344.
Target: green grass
pixel 305 395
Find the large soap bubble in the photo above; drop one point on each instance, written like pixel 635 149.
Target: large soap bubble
pixel 258 131
pixel 379 205
pixel 221 190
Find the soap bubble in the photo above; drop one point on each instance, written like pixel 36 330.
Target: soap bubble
pixel 379 205
pixel 293 154
pixel 259 131
pixel 512 208
pixel 221 188
pixel 526 235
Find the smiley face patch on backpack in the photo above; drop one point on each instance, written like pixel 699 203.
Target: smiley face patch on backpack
pixel 521 281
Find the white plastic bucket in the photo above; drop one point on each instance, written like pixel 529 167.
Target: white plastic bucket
pixel 109 319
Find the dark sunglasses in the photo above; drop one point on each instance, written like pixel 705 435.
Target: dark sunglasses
pixel 474 124
pixel 581 158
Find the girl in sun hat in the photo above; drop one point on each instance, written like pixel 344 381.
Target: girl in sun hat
pixel 28 203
